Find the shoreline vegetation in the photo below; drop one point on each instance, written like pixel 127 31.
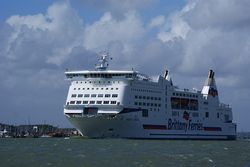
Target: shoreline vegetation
pixel 35 131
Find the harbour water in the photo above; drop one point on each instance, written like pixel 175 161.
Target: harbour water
pixel 41 152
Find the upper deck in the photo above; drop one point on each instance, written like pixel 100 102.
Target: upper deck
pixel 106 74
pixel 102 72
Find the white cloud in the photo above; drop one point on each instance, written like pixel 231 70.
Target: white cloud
pixel 176 26
pixel 225 14
pixel 157 21
pixel 57 32
pixel 118 8
pixel 108 29
pixel 34 22
pixel 212 35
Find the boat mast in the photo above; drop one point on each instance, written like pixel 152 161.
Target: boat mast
pixel 103 60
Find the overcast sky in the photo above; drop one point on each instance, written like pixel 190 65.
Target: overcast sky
pixel 40 39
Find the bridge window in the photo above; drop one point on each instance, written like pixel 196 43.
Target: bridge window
pixel 78 102
pixel 73 95
pixel 93 95
pixel 106 102
pixel 99 102
pixel 72 102
pixel 80 95
pixel 86 95
pixel 107 95
pixel 85 102
pixel 113 102
pixel 114 95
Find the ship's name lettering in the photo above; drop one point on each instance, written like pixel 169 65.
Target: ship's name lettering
pixel 178 125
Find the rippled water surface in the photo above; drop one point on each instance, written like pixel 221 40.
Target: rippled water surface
pixel 122 152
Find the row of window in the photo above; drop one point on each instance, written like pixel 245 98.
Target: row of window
pixel 147 97
pixel 145 90
pixel 184 103
pixel 147 104
pixel 184 95
pixel 196 114
pixel 176 113
pixel 100 75
pixel 96 89
pixel 92 102
pixel 94 95
pixel 81 82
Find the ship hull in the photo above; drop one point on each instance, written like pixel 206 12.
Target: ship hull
pixel 126 127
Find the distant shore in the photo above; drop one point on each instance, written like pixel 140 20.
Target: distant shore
pixel 35 130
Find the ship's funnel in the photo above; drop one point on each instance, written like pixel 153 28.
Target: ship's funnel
pixel 210 80
pixel 166 74
pixel 209 88
pixel 168 77
pixel 210 74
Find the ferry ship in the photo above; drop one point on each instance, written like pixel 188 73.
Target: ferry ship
pixel 128 104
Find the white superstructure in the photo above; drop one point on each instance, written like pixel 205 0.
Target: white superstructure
pixel 128 104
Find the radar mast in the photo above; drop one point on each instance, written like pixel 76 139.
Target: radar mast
pixel 103 60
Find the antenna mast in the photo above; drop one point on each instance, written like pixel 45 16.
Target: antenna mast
pixel 103 60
